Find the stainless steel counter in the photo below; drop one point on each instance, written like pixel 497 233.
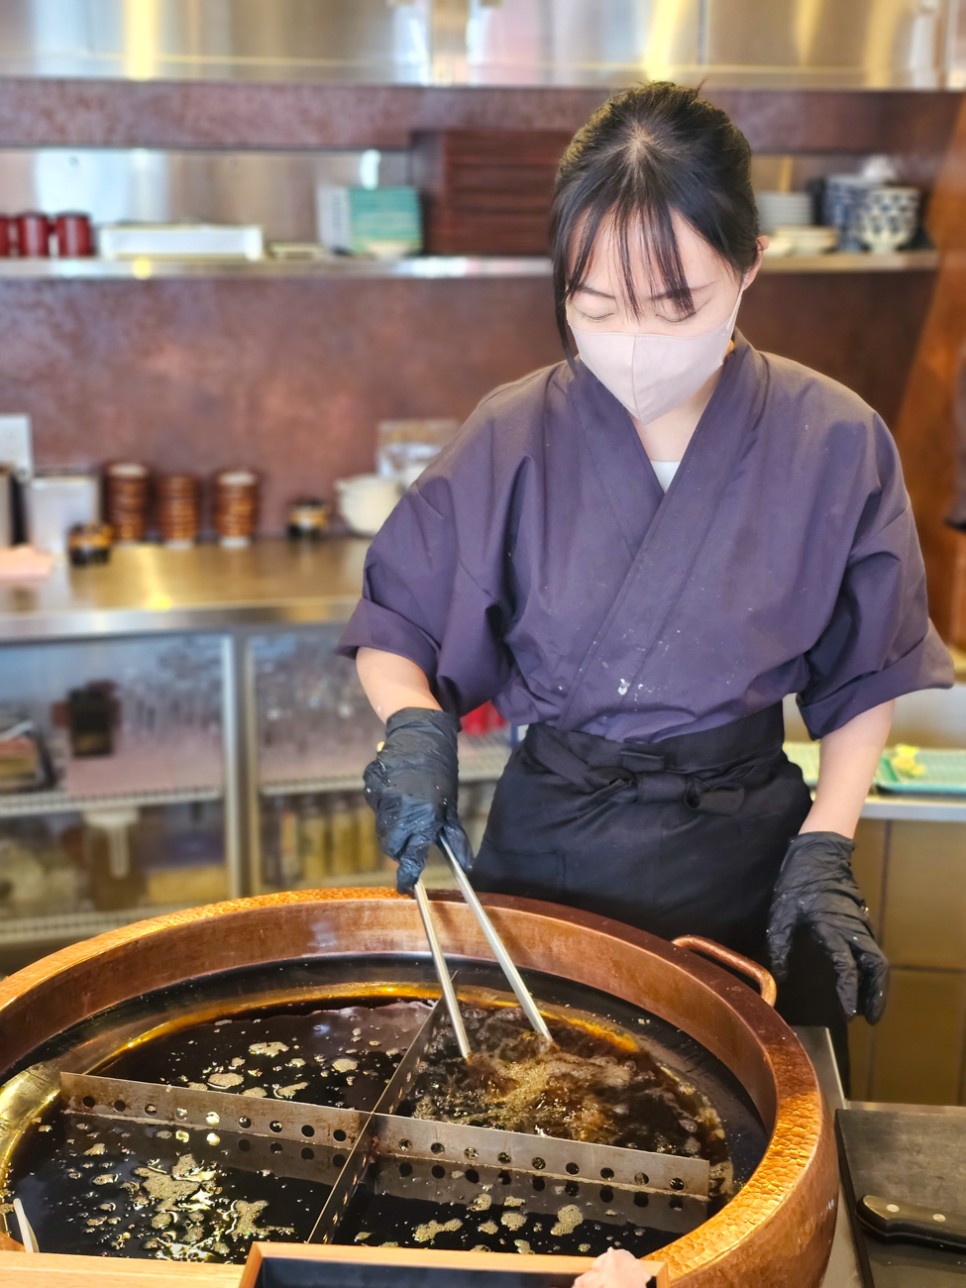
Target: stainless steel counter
pixel 147 589
pixel 842 1270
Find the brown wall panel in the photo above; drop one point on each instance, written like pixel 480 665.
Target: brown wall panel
pixel 38 112
pixel 292 376
pixel 289 376
pixel 925 426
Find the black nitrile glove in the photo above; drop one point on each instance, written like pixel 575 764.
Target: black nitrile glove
pixel 816 889
pixel 412 787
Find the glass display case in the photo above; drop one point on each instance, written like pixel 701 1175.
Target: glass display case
pixel 141 774
pixel 313 733
pixel 114 796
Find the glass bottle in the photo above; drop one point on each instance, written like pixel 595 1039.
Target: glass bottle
pixel 343 836
pixel 369 851
pixel 314 842
pixel 289 865
pixel 114 876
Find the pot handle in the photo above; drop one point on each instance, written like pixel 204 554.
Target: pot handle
pixel 744 965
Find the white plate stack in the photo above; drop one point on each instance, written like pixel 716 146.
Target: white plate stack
pixel 814 240
pixel 784 210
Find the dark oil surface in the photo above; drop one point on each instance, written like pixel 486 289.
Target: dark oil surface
pixel 341 1057
pixel 94 1185
pixel 389 1220
pixel 114 1189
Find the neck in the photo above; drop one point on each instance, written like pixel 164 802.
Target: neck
pixel 666 438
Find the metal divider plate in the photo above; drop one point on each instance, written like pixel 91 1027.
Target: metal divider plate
pixel 546 1156
pixel 410 1157
pixel 222 1111
pixel 364 1150
pixel 477 1188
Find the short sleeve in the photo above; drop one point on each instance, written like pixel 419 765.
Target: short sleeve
pixel 879 642
pixel 420 601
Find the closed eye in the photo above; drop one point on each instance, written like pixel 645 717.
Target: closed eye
pixel 678 315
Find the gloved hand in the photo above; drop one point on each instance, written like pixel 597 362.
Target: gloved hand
pixel 816 889
pixel 412 787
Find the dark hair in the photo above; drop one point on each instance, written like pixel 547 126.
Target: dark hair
pixel 645 154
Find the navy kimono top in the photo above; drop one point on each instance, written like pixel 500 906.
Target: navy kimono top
pixel 538 562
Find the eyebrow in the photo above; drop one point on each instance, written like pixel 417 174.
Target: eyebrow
pixel 655 299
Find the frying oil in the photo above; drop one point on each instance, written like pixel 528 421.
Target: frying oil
pixel 585 1087
pixel 111 1187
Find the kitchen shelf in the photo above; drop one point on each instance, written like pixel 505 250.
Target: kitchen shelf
pixel 25 804
pixel 481 759
pixel 899 261
pixel 71 926
pixel 169 770
pixel 422 267
pixel 145 269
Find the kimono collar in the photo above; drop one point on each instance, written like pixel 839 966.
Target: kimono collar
pixel 729 420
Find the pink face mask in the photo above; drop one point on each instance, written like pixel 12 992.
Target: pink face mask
pixel 653 374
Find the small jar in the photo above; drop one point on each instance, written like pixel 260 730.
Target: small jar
pixel 92 718
pixel 33 234
pixel 73 234
pixel 89 543
pixel 308 519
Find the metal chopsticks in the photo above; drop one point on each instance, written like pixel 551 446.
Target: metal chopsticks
pixel 514 978
pixel 27 1236
pixel 439 961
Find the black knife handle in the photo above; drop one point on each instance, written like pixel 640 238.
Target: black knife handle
pixel 892 1220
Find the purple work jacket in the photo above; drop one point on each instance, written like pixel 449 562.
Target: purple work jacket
pixel 538 563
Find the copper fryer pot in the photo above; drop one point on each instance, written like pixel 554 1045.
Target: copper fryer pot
pixel 775 1231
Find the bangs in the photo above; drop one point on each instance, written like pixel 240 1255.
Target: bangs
pixel 643 234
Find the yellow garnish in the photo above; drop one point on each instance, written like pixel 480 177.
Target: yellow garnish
pixel 903 761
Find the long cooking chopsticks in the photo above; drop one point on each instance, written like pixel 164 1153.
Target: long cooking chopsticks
pixel 514 978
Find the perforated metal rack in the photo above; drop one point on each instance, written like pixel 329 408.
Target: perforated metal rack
pixel 413 1158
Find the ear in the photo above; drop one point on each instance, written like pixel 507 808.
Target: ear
pixel 753 271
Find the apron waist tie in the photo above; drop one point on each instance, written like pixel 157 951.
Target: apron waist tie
pixel 708 770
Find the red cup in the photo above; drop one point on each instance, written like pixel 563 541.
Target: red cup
pixel 33 235
pixel 74 235
pixel 6 248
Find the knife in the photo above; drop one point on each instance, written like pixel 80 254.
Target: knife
pixel 890 1220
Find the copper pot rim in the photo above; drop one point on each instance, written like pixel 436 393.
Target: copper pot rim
pixel 799 1156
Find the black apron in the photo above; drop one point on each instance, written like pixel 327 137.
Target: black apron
pixel 682 836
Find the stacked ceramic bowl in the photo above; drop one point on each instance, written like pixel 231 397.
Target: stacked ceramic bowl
pixel 844 195
pixel 784 210
pixel 888 218
pixel 235 506
pixel 178 499
pixel 127 488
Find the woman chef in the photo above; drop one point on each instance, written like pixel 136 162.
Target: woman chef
pixel 638 553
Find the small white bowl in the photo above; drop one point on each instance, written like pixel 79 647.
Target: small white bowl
pixel 811 240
